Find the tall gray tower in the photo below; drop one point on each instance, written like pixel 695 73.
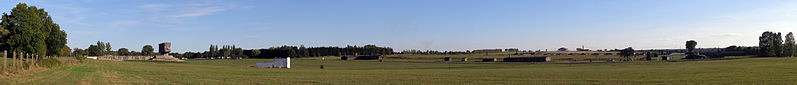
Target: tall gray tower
pixel 164 48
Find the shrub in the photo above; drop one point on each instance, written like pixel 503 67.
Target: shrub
pixel 49 63
pixel 80 58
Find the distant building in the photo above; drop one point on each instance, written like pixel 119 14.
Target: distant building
pixel 355 57
pixel 278 63
pixel 527 59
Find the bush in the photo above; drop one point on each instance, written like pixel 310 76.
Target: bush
pixel 49 63
pixel 80 58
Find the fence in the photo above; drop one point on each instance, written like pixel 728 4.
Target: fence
pixel 20 62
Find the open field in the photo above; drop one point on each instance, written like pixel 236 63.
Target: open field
pixel 306 71
pixel 555 58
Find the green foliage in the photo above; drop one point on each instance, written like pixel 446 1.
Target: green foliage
pixel 80 58
pixel 788 46
pixel 100 48
pixel 49 62
pixel 627 52
pixel 31 30
pixel 690 46
pixel 94 50
pixel 79 52
pixel 770 44
pixel 107 48
pixel 147 50
pixel 123 51
pixel 562 49
pixel 57 42
pixel 65 51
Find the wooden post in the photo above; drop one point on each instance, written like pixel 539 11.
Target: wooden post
pixel 4 60
pixel 27 60
pixel 35 59
pixel 14 60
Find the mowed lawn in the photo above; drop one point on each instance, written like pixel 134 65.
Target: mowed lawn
pixel 307 71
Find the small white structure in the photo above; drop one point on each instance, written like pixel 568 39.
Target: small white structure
pixel 93 57
pixel 278 63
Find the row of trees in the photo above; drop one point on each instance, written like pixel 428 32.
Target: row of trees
pixel 287 51
pixel 28 29
pixel 104 48
pixel 771 44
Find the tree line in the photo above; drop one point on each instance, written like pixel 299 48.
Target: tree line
pixel 772 44
pixel 287 51
pixel 104 48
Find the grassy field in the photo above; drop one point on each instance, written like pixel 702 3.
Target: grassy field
pixel 555 58
pixel 306 71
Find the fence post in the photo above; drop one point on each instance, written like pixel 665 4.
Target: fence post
pixel 16 61
pixel 5 57
pixel 13 60
pixel 27 60
pixel 35 59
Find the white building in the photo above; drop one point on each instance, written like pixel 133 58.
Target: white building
pixel 278 63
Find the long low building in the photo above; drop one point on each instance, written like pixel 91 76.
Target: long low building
pixel 527 59
pixel 278 63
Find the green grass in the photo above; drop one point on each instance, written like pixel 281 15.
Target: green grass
pixel 477 57
pixel 306 71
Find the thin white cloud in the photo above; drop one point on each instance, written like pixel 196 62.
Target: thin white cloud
pixel 179 11
pixel 202 12
pixel 724 35
pixel 120 24
pixel 154 7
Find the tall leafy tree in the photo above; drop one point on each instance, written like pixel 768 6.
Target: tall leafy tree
pixel 769 44
pixel 690 46
pixel 147 50
pixel 31 30
pixel 123 51
pixel 65 51
pixel 79 52
pixel 101 48
pixel 627 52
pixel 94 50
pixel 788 46
pixel 778 45
pixel 107 48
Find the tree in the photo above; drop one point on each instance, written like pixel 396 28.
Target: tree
pixel 94 50
pixel 31 30
pixel 769 44
pixel 690 47
pixel 627 52
pixel 107 48
pixel 788 46
pixel 778 45
pixel 101 48
pixel 56 42
pixel 79 52
pixel 123 51
pixel 304 52
pixel 563 49
pixel 65 51
pixel 255 53
pixel 213 50
pixel 147 50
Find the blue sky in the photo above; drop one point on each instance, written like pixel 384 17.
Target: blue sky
pixel 192 25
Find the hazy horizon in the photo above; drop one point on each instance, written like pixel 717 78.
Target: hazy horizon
pixel 419 24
